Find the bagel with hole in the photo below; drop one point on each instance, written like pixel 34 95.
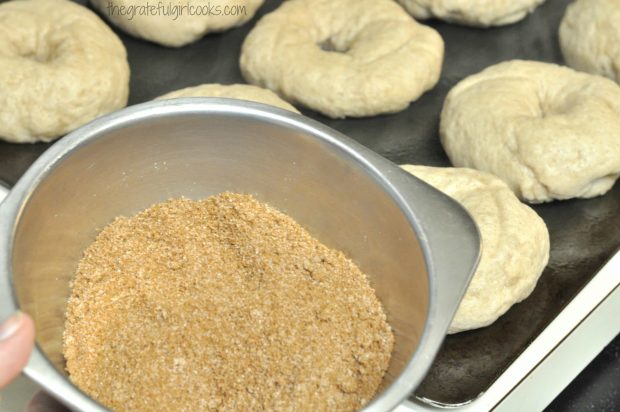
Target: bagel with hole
pixel 548 131
pixel 515 243
pixel 232 91
pixel 347 58
pixel 590 37
pixel 60 67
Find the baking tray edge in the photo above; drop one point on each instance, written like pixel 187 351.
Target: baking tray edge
pixel 563 349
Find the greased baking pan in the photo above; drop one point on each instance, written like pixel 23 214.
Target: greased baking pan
pixel 584 233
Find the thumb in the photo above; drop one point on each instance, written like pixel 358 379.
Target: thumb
pixel 16 341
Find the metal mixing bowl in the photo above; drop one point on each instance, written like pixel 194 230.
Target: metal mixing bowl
pixel 418 247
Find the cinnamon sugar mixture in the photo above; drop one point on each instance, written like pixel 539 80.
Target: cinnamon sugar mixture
pixel 222 304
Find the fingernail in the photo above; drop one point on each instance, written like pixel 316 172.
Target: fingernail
pixel 10 325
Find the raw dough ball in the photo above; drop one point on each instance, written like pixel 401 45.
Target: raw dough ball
pixel 232 91
pixel 480 13
pixel 175 24
pixel 515 243
pixel 548 131
pixel 343 58
pixel 590 37
pixel 60 67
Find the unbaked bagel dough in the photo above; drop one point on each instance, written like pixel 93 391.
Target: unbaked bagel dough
pixel 590 37
pixel 343 58
pixel 479 13
pixel 60 67
pixel 515 243
pixel 176 24
pixel 548 131
pixel 232 91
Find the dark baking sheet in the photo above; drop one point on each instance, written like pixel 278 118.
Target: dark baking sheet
pixel 584 233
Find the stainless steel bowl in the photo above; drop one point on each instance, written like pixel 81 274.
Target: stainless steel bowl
pixel 418 247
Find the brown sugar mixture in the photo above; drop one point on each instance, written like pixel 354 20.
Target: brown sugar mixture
pixel 222 304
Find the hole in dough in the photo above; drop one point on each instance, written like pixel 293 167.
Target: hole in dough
pixel 43 52
pixel 329 46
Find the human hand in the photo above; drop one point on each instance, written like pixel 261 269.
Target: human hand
pixel 16 342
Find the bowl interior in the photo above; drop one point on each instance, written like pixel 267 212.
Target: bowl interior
pixel 140 161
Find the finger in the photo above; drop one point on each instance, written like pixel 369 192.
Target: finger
pixel 16 341
pixel 42 402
